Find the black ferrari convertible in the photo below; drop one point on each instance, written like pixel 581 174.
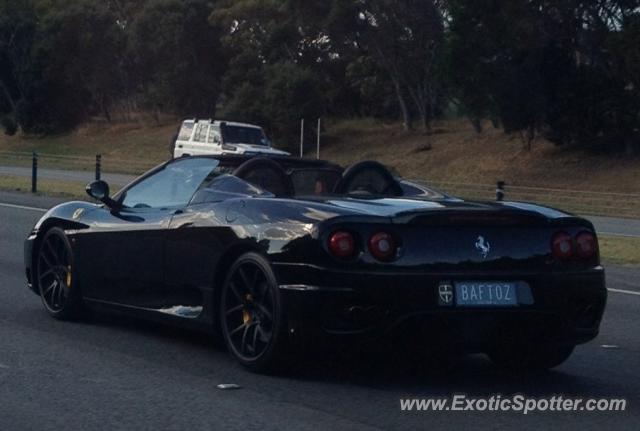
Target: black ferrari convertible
pixel 268 252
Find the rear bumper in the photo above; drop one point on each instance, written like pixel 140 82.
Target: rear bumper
pixel 567 307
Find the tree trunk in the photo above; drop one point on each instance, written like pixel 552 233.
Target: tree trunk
pixel 477 124
pixel 528 137
pixel 394 74
pixel 421 101
pixel 105 109
pixel 629 146
pixel 425 124
pixel 8 96
pixel 406 116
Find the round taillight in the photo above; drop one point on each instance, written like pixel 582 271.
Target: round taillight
pixel 562 246
pixel 382 246
pixel 586 245
pixel 342 244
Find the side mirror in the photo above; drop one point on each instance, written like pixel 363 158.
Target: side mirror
pixel 99 190
pixel 266 142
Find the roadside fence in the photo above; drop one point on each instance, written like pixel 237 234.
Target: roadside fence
pixel 613 204
pixel 96 164
pixel 575 201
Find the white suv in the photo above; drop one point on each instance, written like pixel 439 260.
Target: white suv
pixel 201 137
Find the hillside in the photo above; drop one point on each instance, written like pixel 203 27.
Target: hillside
pixel 460 155
pixel 139 143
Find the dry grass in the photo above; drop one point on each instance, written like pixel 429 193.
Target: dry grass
pixel 453 152
pixel 620 250
pixel 458 154
pixel 69 189
pixel 125 148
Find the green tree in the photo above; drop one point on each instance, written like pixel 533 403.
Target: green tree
pixel 539 66
pixel 268 80
pixel 88 34
pixel 60 61
pixel 177 55
pixel 405 40
pixel 17 29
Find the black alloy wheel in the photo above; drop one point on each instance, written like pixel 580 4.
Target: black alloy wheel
pixel 251 316
pixel 60 295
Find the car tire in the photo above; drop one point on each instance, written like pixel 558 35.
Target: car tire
pixel 252 318
pixel 55 271
pixel 540 357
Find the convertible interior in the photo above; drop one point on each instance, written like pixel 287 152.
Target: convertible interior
pixel 366 178
pixel 206 179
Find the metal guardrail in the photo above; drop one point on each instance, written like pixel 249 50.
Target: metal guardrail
pixel 34 170
pixel 98 164
pixel 83 163
pixel 613 204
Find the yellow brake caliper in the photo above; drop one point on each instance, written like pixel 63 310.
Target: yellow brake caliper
pixel 246 316
pixel 68 276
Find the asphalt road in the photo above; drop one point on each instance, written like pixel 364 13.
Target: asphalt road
pixel 115 373
pixel 616 226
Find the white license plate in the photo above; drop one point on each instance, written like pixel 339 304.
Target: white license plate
pixel 486 293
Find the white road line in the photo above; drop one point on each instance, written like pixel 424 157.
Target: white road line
pixel 22 207
pixel 628 292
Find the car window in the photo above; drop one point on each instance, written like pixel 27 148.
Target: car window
pixel 172 186
pixel 201 132
pixel 214 135
pixel 242 135
pixel 185 131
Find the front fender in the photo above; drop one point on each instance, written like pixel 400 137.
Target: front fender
pixel 65 216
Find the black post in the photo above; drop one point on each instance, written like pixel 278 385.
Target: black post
pixel 34 173
pixel 98 165
pixel 500 192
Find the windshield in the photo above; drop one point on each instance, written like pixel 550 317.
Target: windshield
pixel 243 135
pixel 171 186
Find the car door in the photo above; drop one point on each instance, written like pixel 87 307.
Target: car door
pixel 122 258
pixel 128 244
pixel 199 235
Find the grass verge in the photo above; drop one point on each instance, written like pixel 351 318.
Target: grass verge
pixel 69 189
pixel 619 250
